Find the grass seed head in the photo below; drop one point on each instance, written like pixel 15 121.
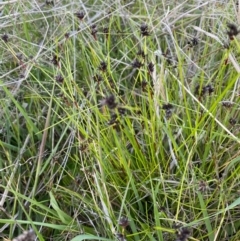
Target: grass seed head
pixel 144 29
pixel 144 84
pixel 106 30
pixel 114 122
pixel 103 66
pixel 121 110
pixel 110 101
pixel 167 106
pixel 55 60
pixel 193 42
pixel 136 64
pixel 5 37
pixel 67 35
pixel 80 15
pixel 50 2
pixel 113 119
pixel 232 30
pixel 232 121
pixel 227 104
pixel 183 234
pixel 94 31
pixel 150 67
pixel 123 222
pixel 208 89
pixel 168 110
pixel 59 78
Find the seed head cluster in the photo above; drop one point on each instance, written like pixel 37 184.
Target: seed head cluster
pixel 168 108
pixel 193 42
pixel 103 66
pixel 144 29
pixel 183 234
pixel 136 64
pixel 110 102
pixel 80 15
pixel 123 222
pixel 207 89
pixel 5 38
pixel 232 30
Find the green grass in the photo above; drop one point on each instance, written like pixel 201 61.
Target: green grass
pixel 103 118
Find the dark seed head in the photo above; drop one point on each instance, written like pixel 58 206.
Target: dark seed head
pixel 136 64
pixel 232 30
pixel 168 110
pixel 67 35
pixel 103 66
pixel 80 15
pixel 123 222
pixel 227 104
pixel 193 42
pixel 150 67
pixel 5 38
pixel 232 121
pixel 144 29
pixel 110 102
pixel 162 209
pixel 114 122
pixel 50 2
pixel 93 29
pixel 59 78
pixel 55 60
pixel 183 234
pixel 176 226
pixel 106 30
pixel 167 106
pixel 208 89
pixel 113 119
pixel 168 113
pixel 144 85
pixel 121 110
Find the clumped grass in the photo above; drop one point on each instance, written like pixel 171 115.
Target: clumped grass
pixel 119 120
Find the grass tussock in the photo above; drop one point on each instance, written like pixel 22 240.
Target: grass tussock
pixel 119 120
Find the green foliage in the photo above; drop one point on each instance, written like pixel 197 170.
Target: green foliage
pixel 119 120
